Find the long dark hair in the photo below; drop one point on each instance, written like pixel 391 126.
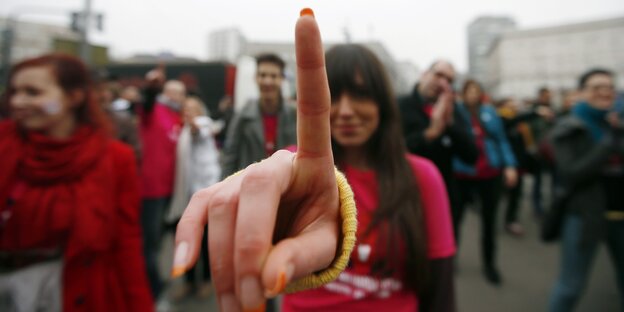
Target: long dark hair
pixel 71 74
pixel 399 214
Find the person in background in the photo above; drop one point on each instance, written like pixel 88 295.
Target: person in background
pixel 124 123
pixel 70 238
pixel 159 129
pixel 540 127
pixel 405 241
pixel 197 167
pixel 264 125
pixel 570 97
pixel 225 113
pixel 434 129
pixel 129 100
pixel 483 179
pixel 588 147
pixel 522 142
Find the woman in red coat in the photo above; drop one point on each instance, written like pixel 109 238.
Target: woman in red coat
pixel 69 200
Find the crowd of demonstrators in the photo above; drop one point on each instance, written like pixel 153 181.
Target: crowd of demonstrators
pixel 482 179
pixel 588 147
pixel 264 125
pixel 82 215
pixel 70 237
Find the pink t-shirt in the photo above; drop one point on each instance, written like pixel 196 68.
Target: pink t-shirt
pixel 159 136
pixel 356 289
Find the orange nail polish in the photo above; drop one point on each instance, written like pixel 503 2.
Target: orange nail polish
pixel 306 11
pixel 261 308
pixel 177 271
pixel 280 284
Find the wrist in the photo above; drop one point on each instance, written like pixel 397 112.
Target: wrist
pixel 348 228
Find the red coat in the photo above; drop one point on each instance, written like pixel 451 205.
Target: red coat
pixel 115 280
pixel 93 217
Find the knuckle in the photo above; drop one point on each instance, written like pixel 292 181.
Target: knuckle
pixel 249 246
pixel 258 176
pixel 220 199
pixel 204 194
pixel 283 154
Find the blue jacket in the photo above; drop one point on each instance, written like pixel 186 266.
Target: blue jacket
pixel 497 149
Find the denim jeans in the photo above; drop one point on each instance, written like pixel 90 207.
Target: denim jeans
pixel 576 263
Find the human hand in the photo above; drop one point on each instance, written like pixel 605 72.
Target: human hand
pixel 156 76
pixel 277 220
pixel 447 100
pixel 510 175
pixel 441 114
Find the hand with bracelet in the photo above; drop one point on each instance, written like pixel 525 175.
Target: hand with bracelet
pixel 273 224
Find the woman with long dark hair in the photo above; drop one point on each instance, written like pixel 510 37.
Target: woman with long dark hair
pixel 404 238
pixel 69 197
pixel 288 222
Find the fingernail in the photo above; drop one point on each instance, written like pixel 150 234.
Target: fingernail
pixel 251 294
pixel 306 11
pixel 227 302
pixel 179 260
pixel 283 277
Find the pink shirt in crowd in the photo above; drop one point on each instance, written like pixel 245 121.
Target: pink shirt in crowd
pixel 356 289
pixel 159 135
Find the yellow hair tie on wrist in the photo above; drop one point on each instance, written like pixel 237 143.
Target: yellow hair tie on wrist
pixel 348 215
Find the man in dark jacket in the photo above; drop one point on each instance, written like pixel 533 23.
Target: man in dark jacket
pixel 588 147
pixel 434 129
pixel 264 125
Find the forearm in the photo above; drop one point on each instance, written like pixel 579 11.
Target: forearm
pixel 149 98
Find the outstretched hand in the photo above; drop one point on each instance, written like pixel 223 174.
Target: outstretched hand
pixel 277 220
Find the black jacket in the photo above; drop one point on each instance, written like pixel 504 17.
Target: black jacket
pixel 579 162
pixel 455 141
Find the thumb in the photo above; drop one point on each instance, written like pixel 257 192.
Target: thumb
pixel 296 257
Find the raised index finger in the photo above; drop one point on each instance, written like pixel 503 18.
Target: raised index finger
pixel 313 134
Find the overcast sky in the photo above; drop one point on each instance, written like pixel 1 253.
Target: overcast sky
pixel 418 31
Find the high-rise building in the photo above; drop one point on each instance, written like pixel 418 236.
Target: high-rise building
pixel 226 45
pixel 522 61
pixel 482 35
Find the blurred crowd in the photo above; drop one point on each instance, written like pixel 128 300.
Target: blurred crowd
pixel 83 217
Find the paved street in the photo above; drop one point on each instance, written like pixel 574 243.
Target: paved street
pixel 528 267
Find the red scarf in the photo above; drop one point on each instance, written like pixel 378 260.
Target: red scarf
pixel 61 190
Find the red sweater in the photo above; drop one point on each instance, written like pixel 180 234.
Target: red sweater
pixel 97 226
